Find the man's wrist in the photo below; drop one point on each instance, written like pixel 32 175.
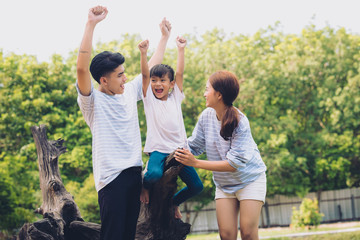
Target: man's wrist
pixel 90 24
pixel 166 37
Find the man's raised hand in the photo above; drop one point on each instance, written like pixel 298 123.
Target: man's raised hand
pixel 165 27
pixel 97 14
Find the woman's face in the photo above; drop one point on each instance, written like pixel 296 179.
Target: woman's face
pixel 211 96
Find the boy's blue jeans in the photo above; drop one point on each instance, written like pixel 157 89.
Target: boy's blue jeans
pixel 188 175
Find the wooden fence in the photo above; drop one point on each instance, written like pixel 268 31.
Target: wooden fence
pixel 336 205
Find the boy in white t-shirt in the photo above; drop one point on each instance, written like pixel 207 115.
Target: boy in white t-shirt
pixel 165 125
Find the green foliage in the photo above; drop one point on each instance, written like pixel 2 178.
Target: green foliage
pixel 308 214
pixel 17 195
pixel 300 93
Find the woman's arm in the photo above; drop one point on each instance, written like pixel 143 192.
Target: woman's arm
pixel 185 157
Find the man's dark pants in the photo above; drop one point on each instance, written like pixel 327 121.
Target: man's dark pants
pixel 120 205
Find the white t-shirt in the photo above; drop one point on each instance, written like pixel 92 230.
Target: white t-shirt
pixel 113 120
pixel 164 120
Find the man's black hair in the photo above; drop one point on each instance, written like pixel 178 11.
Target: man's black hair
pixel 104 63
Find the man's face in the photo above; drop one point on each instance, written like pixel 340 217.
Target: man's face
pixel 114 82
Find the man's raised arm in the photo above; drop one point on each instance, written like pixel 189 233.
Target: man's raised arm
pixel 158 56
pixel 96 15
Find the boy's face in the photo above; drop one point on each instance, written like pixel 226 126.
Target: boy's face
pixel 114 82
pixel 160 86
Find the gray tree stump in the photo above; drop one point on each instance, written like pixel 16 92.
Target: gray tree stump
pixel 62 219
pixel 157 219
pixel 61 216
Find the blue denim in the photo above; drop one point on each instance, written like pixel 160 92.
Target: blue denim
pixel 188 175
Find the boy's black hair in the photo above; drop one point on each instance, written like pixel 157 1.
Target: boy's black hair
pixel 104 63
pixel 161 70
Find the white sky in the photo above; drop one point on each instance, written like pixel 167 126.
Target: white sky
pixel 45 27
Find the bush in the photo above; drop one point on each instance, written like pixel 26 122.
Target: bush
pixel 308 214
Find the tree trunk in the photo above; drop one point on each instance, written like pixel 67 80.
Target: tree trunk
pixel 61 216
pixel 157 219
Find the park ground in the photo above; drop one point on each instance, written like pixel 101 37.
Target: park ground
pixel 333 231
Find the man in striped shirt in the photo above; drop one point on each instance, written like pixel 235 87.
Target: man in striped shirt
pixel 111 113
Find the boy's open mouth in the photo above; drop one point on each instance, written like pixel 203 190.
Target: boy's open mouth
pixel 159 90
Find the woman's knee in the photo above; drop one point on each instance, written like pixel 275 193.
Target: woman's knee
pixel 228 234
pixel 248 233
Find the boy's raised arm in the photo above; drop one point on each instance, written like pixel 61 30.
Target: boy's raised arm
pixel 96 15
pixel 179 75
pixel 158 55
pixel 143 46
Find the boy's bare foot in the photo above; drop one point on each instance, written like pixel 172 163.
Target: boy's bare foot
pixel 177 212
pixel 144 196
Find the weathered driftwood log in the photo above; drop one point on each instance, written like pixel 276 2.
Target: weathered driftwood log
pixel 157 219
pixel 61 216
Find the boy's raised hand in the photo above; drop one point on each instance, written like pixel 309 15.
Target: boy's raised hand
pixel 143 46
pixel 97 14
pixel 165 27
pixel 181 42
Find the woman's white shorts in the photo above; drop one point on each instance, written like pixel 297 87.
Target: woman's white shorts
pixel 254 191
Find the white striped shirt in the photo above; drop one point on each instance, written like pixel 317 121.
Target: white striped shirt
pixel 114 124
pixel 240 151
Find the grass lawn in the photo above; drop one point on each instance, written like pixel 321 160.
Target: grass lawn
pixel 276 233
pixel 335 236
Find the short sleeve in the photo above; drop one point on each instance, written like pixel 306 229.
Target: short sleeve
pixel 136 85
pixel 179 95
pixel 86 104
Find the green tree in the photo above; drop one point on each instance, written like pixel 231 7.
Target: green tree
pixel 308 214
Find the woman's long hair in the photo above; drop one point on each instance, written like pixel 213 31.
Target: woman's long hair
pixel 227 84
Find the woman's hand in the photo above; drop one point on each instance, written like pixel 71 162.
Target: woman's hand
pixel 185 157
